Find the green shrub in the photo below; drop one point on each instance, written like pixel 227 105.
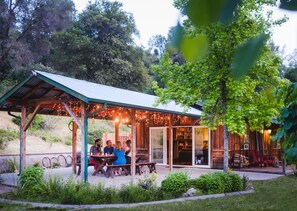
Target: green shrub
pixel 176 183
pixel 68 141
pixel 218 182
pixel 6 136
pixel 236 182
pixel 93 135
pixel 37 123
pixel 226 180
pixel 30 178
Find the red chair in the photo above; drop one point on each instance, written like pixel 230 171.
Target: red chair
pixel 255 159
pixel 266 161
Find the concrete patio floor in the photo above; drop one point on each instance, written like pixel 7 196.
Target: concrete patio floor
pixel 65 173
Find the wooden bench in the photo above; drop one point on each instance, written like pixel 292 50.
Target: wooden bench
pixel 110 169
pixel 79 167
pixel 150 165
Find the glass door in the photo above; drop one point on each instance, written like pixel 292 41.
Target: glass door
pixel 182 146
pixel 201 151
pixel 158 145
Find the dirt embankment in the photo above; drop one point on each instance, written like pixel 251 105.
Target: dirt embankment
pixel 35 144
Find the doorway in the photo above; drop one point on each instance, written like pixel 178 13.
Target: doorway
pixel 202 148
pixel 158 149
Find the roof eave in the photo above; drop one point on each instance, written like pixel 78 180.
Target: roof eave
pixel 144 108
pixel 62 87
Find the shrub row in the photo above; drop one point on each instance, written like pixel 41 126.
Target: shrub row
pixel 218 182
pixel 33 187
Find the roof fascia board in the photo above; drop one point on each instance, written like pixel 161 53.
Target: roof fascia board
pixel 62 87
pixel 9 93
pixel 143 108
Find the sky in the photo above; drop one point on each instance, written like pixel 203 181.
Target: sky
pixel 153 17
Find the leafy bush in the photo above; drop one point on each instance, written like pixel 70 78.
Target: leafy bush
pixel 93 135
pixel 30 178
pixel 225 179
pixel 176 183
pixel 218 182
pixel 6 136
pixel 12 165
pixel 236 182
pixel 210 183
pixel 37 123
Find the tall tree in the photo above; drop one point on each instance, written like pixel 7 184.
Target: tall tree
pixel 26 26
pixel 99 47
pixel 235 104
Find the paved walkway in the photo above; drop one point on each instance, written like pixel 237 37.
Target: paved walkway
pixel 118 181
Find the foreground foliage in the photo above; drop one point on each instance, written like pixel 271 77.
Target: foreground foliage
pixel 55 190
pixel 275 194
pixel 288 122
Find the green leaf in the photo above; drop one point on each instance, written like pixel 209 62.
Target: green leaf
pixel 227 13
pixel 195 48
pixel 285 112
pixel 288 5
pixel 280 133
pixel 288 125
pixel 246 55
pixel 204 12
pixel 177 36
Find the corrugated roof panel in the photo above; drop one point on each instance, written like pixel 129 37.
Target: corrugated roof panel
pixel 100 93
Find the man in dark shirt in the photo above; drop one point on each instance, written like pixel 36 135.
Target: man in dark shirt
pixel 98 163
pixel 108 149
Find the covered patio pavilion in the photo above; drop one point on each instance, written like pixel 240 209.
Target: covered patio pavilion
pixel 51 94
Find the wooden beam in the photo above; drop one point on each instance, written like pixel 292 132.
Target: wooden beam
pixel 74 140
pixel 80 125
pixel 32 91
pixel 32 117
pixel 170 138
pixel 133 151
pixel 117 129
pixel 98 110
pixel 23 140
pixel 84 143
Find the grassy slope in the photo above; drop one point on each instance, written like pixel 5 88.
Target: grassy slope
pixel 275 194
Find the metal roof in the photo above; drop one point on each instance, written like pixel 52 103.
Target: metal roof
pixel 90 93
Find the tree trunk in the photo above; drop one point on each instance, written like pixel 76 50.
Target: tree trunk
pixel 226 147
pixel 226 137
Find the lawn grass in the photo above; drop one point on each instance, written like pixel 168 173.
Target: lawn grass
pixel 275 194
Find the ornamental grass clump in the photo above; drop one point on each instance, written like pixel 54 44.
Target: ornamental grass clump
pixel 176 183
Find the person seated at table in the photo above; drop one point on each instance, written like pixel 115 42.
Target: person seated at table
pixel 109 148
pixel 120 153
pixel 97 162
pixel 128 151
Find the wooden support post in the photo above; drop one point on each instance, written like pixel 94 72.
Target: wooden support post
pixel 74 138
pixel 133 152
pixel 117 123
pixel 84 143
pixel 170 138
pixel 23 140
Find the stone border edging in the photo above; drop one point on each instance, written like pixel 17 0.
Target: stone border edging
pixel 102 206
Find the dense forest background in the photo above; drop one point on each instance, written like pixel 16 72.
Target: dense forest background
pixel 95 45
